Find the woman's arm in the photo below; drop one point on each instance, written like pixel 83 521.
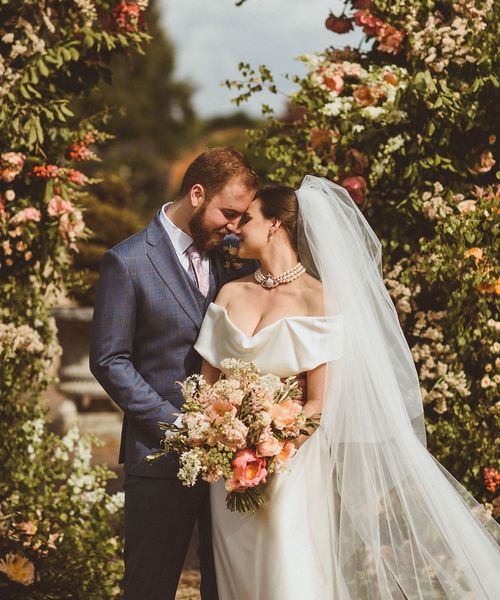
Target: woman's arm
pixel 315 388
pixel 210 374
pixel 314 401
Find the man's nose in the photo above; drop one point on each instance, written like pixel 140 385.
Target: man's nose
pixel 233 226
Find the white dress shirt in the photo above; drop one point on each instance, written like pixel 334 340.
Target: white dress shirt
pixel 181 242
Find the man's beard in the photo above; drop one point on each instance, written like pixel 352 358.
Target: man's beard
pixel 203 238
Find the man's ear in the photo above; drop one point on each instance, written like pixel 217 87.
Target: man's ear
pixel 197 195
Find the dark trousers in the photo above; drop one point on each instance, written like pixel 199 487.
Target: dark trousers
pixel 160 514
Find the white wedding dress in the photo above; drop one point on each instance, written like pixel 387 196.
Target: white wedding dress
pixel 272 554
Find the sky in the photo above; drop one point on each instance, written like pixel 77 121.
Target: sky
pixel 212 36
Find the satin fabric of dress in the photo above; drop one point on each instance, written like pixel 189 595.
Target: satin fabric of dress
pixel 273 554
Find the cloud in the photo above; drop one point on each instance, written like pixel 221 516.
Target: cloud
pixel 213 36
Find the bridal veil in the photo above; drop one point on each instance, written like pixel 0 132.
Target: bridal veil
pixel 389 521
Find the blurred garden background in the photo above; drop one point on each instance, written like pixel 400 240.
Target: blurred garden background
pixel 103 105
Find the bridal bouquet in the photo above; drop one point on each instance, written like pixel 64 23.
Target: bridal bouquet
pixel 241 428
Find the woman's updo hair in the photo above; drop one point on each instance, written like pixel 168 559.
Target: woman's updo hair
pixel 280 202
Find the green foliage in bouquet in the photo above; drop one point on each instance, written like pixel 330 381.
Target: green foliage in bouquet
pixel 407 122
pixel 51 54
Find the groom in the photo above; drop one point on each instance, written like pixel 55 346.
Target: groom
pixel 153 292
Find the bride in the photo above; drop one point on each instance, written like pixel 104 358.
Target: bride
pixel 364 511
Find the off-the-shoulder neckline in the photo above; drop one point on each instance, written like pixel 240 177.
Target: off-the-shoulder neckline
pixel 271 325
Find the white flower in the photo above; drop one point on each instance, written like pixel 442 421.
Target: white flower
pixel 190 466
pixel 115 502
pixel 373 112
pixel 485 382
pixel 270 384
pixel 358 128
pixel 394 143
pixel 70 439
pixel 332 109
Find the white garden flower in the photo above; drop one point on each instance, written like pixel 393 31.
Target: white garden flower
pixel 372 112
pixel 115 502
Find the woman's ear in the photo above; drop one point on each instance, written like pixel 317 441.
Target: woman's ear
pixel 276 225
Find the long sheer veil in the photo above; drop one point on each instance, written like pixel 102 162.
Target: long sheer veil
pixel 389 520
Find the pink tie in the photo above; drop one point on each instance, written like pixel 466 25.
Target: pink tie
pixel 202 277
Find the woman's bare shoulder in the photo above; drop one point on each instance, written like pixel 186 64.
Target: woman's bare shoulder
pixel 312 290
pixel 232 289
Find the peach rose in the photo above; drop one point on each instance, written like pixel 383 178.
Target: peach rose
pixel 286 453
pixel 268 444
pixel 220 406
pixel 390 78
pixel 365 95
pixel 334 83
pixel 284 414
pixel 248 471
pixel 485 163
pixel 477 253
pixel 466 205
pixel 12 164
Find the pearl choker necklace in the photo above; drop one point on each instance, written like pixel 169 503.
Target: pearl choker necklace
pixel 269 282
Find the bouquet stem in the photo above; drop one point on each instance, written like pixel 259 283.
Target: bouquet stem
pixel 249 502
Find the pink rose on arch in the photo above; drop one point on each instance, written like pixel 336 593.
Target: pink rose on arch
pixel 370 23
pixel 26 214
pixel 284 414
pixel 356 186
pixel 268 444
pixel 248 471
pixel 12 164
pixel 76 177
pixel 334 82
pixel 390 39
pixel 3 213
pixel 485 162
pixel 58 206
pixel 71 227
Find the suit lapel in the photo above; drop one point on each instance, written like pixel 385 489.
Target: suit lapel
pixel 164 259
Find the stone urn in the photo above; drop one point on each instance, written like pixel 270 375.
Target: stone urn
pixel 85 402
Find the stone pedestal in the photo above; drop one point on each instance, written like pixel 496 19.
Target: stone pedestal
pixel 75 379
pixel 79 398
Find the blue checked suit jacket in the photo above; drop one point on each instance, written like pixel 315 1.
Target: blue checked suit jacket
pixel 147 316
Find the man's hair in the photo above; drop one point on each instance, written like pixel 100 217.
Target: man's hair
pixel 214 168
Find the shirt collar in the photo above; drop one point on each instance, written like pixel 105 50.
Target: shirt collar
pixel 180 239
